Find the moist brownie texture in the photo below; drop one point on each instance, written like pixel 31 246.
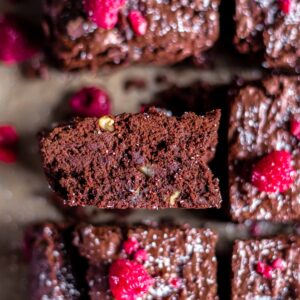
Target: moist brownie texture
pixel 147 160
pixel 271 28
pixel 51 273
pixel 176 262
pixel 261 115
pixel 266 269
pixel 175 30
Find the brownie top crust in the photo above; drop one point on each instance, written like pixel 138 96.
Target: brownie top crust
pixel 280 255
pixel 175 30
pixel 147 160
pixel 270 27
pixel 260 123
pixel 183 254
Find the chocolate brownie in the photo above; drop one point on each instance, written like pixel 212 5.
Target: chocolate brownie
pixel 139 261
pixel 270 28
pixel 266 269
pixel 175 30
pixel 51 275
pixel 264 150
pixel 146 160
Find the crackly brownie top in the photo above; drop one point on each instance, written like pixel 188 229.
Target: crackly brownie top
pixel 180 261
pixel 271 26
pixel 266 269
pixel 261 119
pixel 51 273
pixel 175 30
pixel 146 160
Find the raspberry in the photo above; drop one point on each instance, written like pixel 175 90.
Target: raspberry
pixel 140 256
pixel 274 172
pixel 138 22
pixel 264 270
pixel 295 128
pixel 103 12
pixel 15 47
pixel 128 280
pixel 175 283
pixel 285 6
pixel 8 144
pixel 90 102
pixel 279 264
pixel 131 245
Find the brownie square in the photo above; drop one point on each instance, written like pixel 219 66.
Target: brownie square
pixel 147 160
pixel 260 123
pixel 179 262
pixel 270 28
pixel 175 31
pixel 266 269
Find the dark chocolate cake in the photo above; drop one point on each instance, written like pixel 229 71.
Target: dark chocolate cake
pixel 270 28
pixel 266 269
pixel 264 150
pixel 146 160
pixel 156 32
pixel 138 262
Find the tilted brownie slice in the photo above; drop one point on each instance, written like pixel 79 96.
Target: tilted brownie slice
pixel 266 269
pixel 159 32
pixel 264 150
pixel 271 28
pixel 52 274
pixel 147 160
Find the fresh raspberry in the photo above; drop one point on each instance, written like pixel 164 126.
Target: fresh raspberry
pixel 8 144
pixel 279 264
pixel 264 269
pixel 295 128
pixel 274 172
pixel 285 6
pixel 128 280
pixel 131 245
pixel 103 12
pixel 90 102
pixel 141 255
pixel 15 46
pixel 138 22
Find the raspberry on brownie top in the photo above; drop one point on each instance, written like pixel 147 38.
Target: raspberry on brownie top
pixel 163 262
pixel 266 269
pixel 270 27
pixel 104 33
pixel 264 153
pixel 180 262
pixel 146 160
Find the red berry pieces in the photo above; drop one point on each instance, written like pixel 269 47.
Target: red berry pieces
pixel 131 245
pixel 8 143
pixel 265 270
pixel 90 102
pixel 140 256
pixel 274 172
pixel 285 6
pixel 103 12
pixel 138 22
pixel 128 280
pixel 15 46
pixel 279 264
pixel 175 283
pixel 295 128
